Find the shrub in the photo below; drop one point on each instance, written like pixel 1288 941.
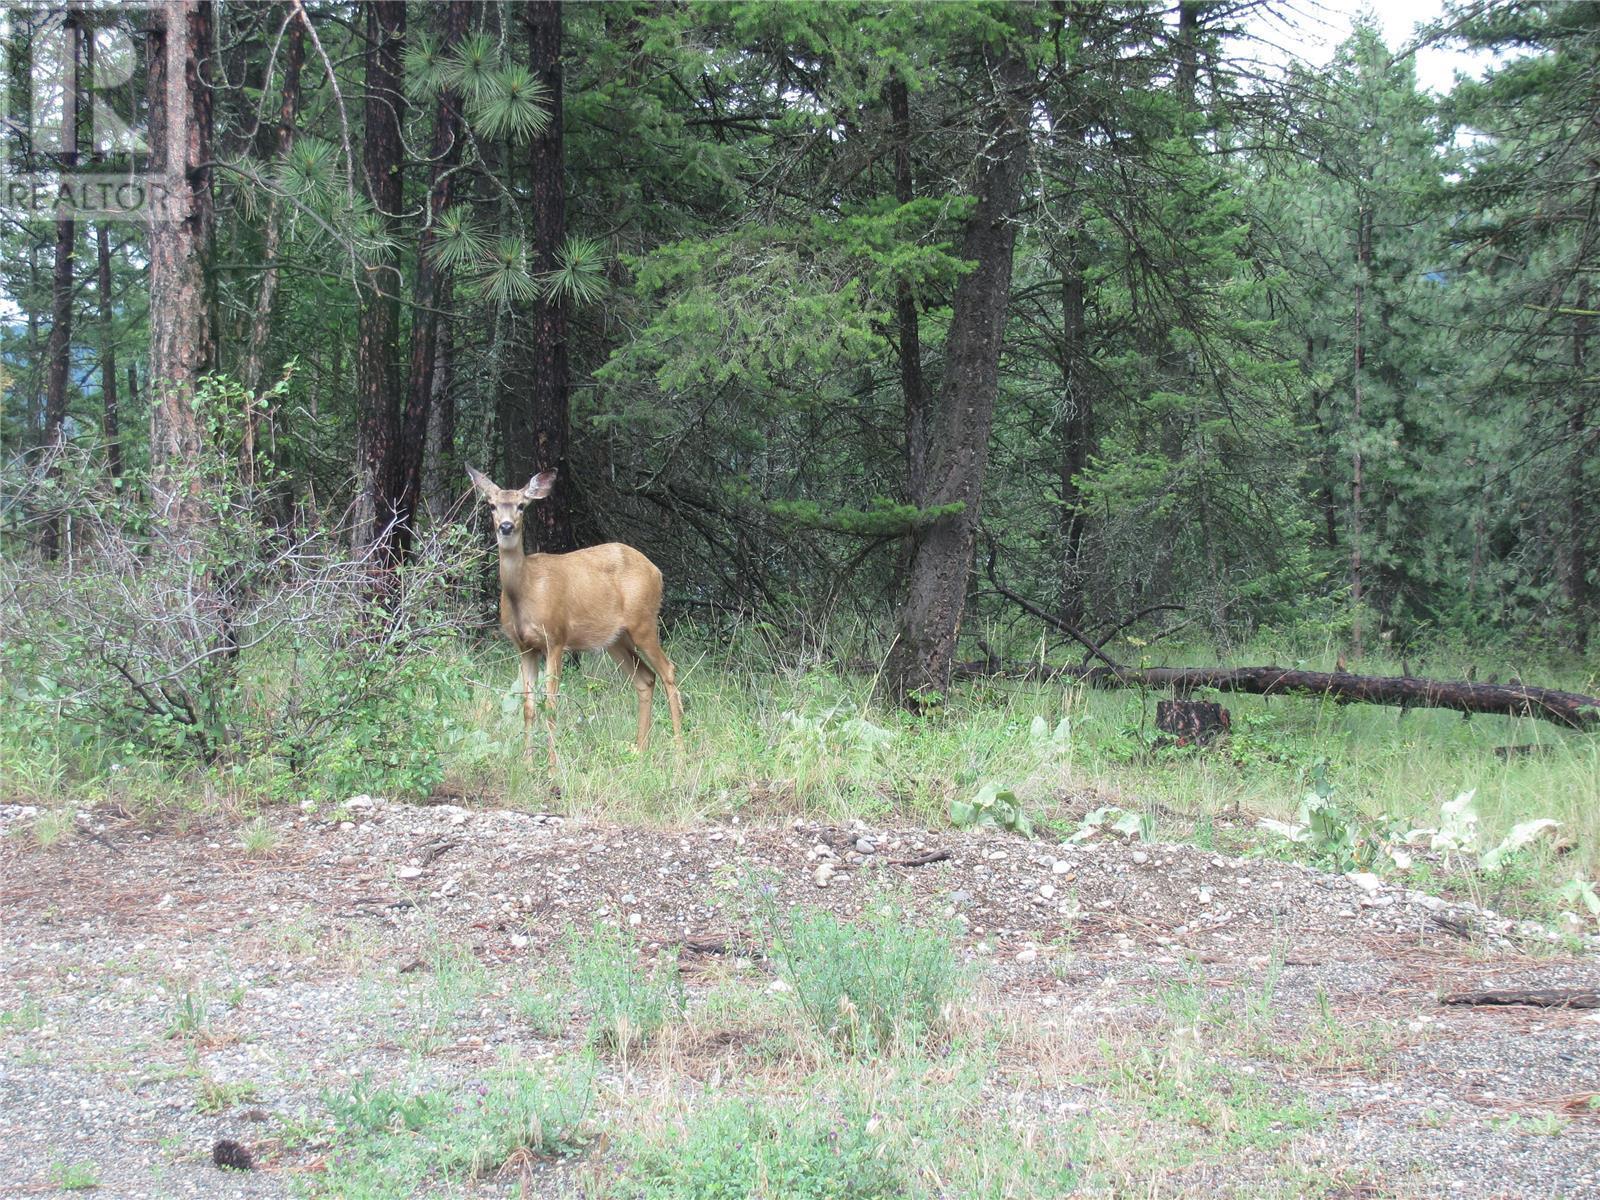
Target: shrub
pixel 627 1007
pixel 257 647
pixel 870 988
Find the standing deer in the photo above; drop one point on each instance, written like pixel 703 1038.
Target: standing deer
pixel 602 598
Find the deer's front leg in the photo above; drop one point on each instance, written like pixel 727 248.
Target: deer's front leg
pixel 528 664
pixel 552 681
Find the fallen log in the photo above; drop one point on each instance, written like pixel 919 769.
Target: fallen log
pixel 1570 709
pixel 1531 997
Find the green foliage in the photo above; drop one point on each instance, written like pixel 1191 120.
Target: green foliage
pixel 992 806
pixel 394 1141
pixel 740 1148
pixel 627 1007
pixel 870 988
pixel 366 1108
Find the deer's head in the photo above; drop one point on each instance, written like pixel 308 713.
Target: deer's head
pixel 508 503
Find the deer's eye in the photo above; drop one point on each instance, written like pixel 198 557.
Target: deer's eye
pixel 521 504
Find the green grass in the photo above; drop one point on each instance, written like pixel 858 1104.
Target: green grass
pixel 773 734
pixel 873 986
pixel 392 1141
pixel 627 1005
pixel 74 1177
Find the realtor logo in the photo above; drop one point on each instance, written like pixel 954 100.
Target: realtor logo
pixel 79 119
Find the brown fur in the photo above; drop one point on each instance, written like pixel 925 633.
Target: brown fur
pixel 602 598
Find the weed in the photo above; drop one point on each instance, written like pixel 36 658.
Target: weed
pixel 53 826
pixel 742 1148
pixel 519 1113
pixel 870 988
pixel 212 1096
pixel 395 1140
pixel 368 1109
pixel 545 1009
pixel 627 1007
pixel 259 838
pixel 191 1014
pixel 454 982
pixel 74 1177
pixel 1533 1125
pixel 26 1017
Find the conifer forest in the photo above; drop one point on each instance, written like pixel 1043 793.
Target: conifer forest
pixel 1097 505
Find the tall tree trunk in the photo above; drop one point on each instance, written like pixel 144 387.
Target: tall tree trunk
pixel 541 372
pixel 930 615
pixel 109 430
pixel 1575 560
pixel 913 390
pixel 437 474
pixel 271 239
pixel 431 295
pixel 58 357
pixel 378 319
pixel 183 342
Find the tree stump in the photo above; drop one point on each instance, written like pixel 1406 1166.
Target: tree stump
pixel 1192 722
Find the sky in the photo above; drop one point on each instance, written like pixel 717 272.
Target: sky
pixel 1312 29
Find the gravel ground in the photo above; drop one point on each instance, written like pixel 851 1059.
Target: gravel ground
pixel 309 955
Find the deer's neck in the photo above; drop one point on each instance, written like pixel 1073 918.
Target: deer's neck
pixel 518 571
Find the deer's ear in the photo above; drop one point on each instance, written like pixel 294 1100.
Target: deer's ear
pixel 539 486
pixel 481 482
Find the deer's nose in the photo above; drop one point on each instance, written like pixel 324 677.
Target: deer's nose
pixel 505 527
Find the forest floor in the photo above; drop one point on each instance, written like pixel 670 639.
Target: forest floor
pixel 1156 1019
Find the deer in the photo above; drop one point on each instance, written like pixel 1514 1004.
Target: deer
pixel 601 598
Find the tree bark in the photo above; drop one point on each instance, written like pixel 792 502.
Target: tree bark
pixel 183 340
pixel 378 318
pixel 1570 709
pixel 540 373
pixel 58 357
pixel 271 239
pixel 930 616
pixel 437 473
pixel 109 428
pixel 431 294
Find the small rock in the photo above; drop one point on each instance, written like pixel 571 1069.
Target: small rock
pixel 1205 895
pixel 1140 857
pixel 823 874
pixel 1060 867
pixel 1365 880
pixel 1027 955
pixel 362 801
pixel 864 846
pixel 1046 890
pixel 408 872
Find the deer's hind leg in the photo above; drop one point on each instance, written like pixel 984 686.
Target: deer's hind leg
pixel 644 686
pixel 647 644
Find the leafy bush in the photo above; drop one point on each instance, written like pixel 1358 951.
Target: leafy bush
pixel 870 988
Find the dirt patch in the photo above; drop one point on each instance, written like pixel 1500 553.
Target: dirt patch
pixel 162 990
